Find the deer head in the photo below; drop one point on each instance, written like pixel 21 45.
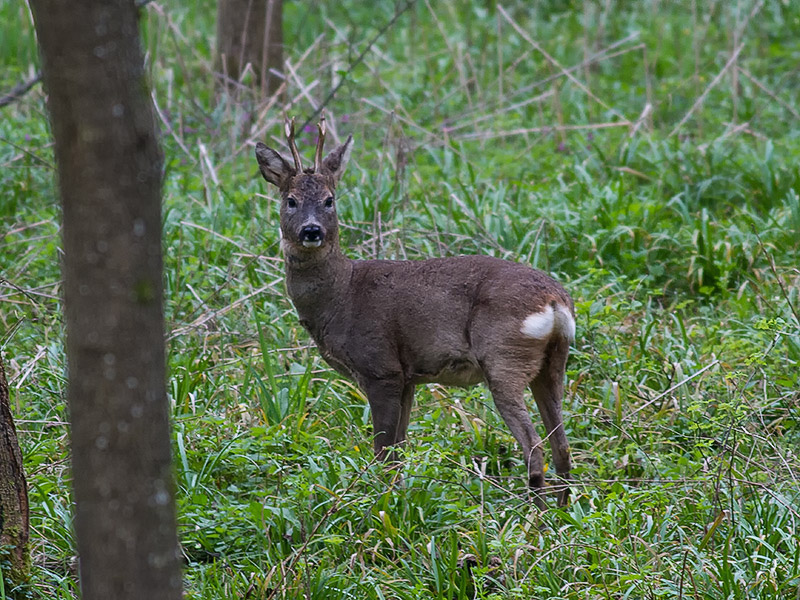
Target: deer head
pixel 308 205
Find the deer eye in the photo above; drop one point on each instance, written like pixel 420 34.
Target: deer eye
pixel 329 202
pixel 291 202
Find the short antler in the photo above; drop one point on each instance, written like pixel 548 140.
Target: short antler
pixel 320 144
pixel 289 125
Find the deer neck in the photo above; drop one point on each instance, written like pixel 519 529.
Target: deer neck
pixel 316 282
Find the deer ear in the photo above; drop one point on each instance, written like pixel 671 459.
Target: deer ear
pixel 335 163
pixel 274 167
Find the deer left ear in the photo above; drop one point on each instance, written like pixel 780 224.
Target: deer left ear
pixel 335 163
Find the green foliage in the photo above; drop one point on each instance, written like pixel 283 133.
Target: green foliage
pixel 679 242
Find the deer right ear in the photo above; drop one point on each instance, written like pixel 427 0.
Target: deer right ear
pixel 274 168
pixel 335 163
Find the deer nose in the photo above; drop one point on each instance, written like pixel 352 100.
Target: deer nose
pixel 311 236
pixel 312 233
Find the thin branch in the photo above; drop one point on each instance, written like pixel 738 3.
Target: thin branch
pixel 20 90
pixel 768 92
pixel 778 278
pixel 711 86
pixel 170 129
pixel 33 155
pixel 485 135
pixel 718 78
pixel 602 55
pixel 358 61
pixel 671 389
pixel 556 64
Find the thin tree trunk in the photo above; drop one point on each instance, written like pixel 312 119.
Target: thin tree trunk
pixel 251 32
pixel 14 530
pixel 110 169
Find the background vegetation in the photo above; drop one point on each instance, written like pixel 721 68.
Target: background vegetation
pixel 644 153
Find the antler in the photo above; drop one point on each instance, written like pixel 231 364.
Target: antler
pixel 289 126
pixel 320 144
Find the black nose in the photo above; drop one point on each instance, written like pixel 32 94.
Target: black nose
pixel 311 233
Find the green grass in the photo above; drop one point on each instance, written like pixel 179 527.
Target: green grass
pixel 680 244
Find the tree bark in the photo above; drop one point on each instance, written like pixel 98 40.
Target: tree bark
pixel 110 169
pixel 14 529
pixel 251 31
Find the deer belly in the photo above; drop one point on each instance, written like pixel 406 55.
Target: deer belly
pixel 457 371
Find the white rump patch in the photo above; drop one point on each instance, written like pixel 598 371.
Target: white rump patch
pixel 540 325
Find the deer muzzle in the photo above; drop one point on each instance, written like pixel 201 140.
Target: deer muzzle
pixel 311 236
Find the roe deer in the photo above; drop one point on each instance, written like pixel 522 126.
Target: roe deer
pixel 393 324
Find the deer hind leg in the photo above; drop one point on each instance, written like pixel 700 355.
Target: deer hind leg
pixel 548 391
pixel 509 397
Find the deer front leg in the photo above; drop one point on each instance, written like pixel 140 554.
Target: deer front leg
pixel 386 398
pixel 405 413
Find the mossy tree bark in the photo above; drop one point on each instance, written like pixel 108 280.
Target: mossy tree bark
pixel 14 528
pixel 251 32
pixel 110 170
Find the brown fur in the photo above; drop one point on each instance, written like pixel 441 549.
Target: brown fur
pixel 391 325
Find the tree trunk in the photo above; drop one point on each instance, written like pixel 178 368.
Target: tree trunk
pixel 251 31
pixel 110 169
pixel 13 493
